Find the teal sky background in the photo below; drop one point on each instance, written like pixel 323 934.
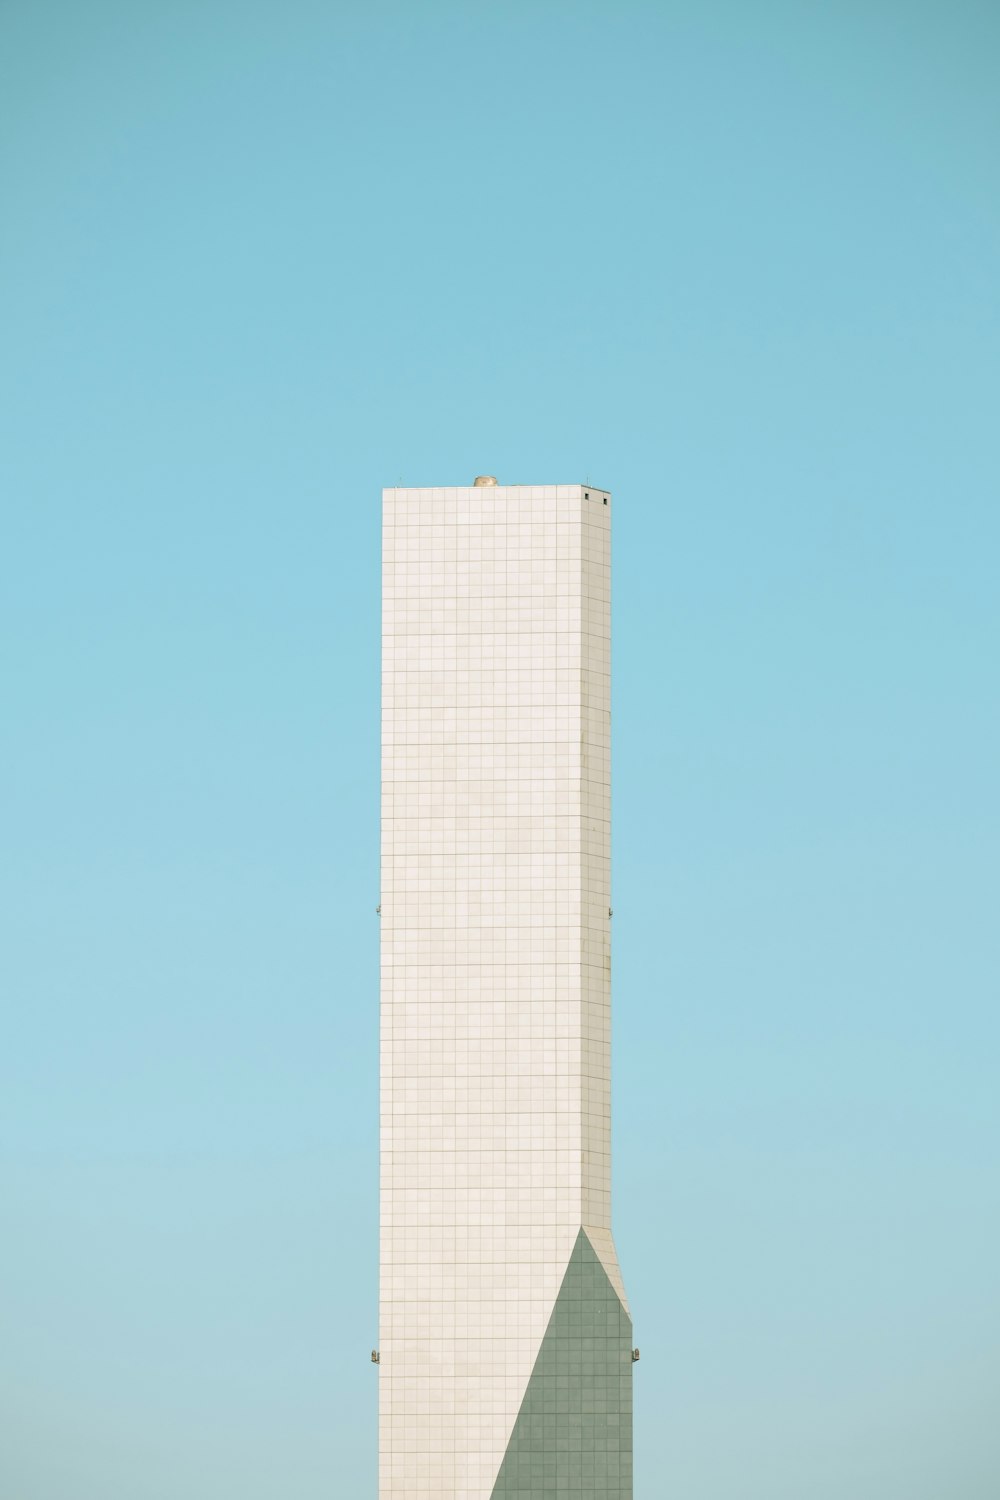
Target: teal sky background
pixel 740 263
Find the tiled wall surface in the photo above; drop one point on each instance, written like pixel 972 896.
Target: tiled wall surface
pixel 495 958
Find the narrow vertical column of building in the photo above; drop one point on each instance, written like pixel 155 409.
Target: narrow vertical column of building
pixel 504 1335
pixel 595 874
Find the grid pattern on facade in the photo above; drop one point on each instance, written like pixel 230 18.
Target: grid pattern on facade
pixel 595 862
pixel 494 1053
pixel 573 1434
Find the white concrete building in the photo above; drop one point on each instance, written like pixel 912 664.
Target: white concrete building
pixel 504 1341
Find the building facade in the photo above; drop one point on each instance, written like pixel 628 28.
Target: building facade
pixel 505 1343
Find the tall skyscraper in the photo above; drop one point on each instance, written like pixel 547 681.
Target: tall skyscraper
pixel 505 1343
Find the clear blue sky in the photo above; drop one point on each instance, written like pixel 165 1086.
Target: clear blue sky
pixel 739 263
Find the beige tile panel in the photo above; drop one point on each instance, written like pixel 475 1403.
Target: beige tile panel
pixel 495 958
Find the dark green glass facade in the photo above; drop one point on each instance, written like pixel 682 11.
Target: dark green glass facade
pixel 573 1434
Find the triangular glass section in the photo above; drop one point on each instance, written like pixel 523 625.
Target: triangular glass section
pixel 573 1434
